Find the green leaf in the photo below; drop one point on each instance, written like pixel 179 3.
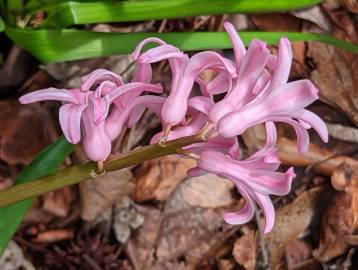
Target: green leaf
pixel 2 25
pixel 73 12
pixel 46 162
pixel 64 45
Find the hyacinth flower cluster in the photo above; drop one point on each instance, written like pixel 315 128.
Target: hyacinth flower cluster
pixel 251 89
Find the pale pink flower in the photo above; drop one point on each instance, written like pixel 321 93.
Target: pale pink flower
pixel 261 93
pixel 255 178
pixel 185 72
pixel 86 112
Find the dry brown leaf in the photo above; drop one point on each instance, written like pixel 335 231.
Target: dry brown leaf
pixel 297 252
pixel 352 5
pixel 335 75
pixel 27 130
pixel 126 218
pixel 276 21
pixel 340 220
pixel 323 159
pixel 157 178
pixel 291 221
pixel 58 202
pixel 315 15
pixel 54 235
pixel 208 191
pixel 337 222
pixel 13 258
pixel 104 191
pixel 226 264
pixel 181 231
pixel 343 133
pixel 245 249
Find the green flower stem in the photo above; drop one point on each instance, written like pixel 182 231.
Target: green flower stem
pixel 75 174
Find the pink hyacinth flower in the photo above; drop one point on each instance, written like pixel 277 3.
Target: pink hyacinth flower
pixel 185 72
pixel 255 178
pixel 261 93
pixel 84 112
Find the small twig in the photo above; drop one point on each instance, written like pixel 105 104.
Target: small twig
pixel 264 264
pixel 91 262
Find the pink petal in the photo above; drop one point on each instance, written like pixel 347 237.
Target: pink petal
pixel 98 76
pixel 314 121
pixel 100 107
pixel 245 214
pixel 143 73
pixel 238 46
pixel 136 53
pixel 70 121
pixel 134 86
pixel 160 53
pixel 118 118
pixel 303 139
pixel 283 65
pixel 201 104
pixel 49 94
pixel 251 68
pixel 194 172
pixel 266 205
pixel 270 182
pixel 175 107
pixel 222 83
pixel 286 100
pixel 96 143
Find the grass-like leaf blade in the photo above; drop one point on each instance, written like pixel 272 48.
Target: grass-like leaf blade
pixel 46 162
pixel 64 45
pixel 73 12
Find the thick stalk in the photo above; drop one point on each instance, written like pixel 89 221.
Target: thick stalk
pixel 78 173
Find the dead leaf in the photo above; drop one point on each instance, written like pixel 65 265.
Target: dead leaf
pixel 27 130
pixel 126 218
pixel 323 159
pixel 104 191
pixel 292 220
pixel 352 5
pixel 208 191
pixel 157 178
pixel 13 258
pixel 58 202
pixel 297 251
pixel 54 235
pixel 181 231
pixel 276 22
pixel 343 133
pixel 226 264
pixel 316 15
pixel 337 222
pixel 245 249
pixel 335 76
pixel 340 220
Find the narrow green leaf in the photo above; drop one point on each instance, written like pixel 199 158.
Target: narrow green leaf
pixel 73 12
pixel 46 162
pixel 64 45
pixel 2 25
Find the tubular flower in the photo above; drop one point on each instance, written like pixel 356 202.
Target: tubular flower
pixel 261 93
pixel 251 89
pixel 255 178
pixel 85 112
pixel 185 72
